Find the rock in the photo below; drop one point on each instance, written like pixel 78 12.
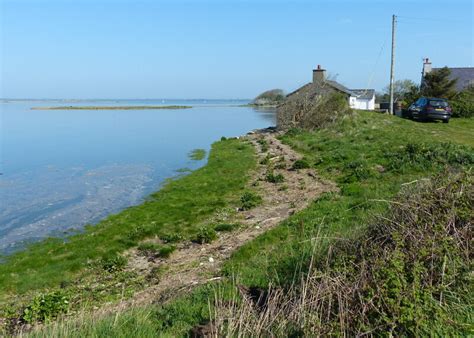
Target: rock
pixel 379 168
pixel 211 260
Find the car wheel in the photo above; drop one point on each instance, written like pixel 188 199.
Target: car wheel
pixel 445 121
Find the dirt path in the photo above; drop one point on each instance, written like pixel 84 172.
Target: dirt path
pixel 192 264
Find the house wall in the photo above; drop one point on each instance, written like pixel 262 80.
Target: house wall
pixel 364 104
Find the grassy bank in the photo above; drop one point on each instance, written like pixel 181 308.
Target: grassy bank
pixel 109 107
pixel 371 157
pixel 88 263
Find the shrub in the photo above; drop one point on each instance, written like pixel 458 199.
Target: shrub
pixel 113 263
pixel 312 110
pixel 45 307
pixel 225 227
pixel 301 164
pixel 250 200
pixel 205 235
pixel 463 103
pixel 272 178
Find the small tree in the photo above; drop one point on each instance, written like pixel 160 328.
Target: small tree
pixel 400 89
pixel 404 91
pixel 438 84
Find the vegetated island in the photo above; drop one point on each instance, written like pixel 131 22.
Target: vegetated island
pixel 271 98
pixel 109 107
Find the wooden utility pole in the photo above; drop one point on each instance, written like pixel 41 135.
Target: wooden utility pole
pixel 392 63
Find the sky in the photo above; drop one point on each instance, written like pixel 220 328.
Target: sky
pixel 218 49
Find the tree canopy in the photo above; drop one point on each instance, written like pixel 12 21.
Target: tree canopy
pixel 270 97
pixel 438 84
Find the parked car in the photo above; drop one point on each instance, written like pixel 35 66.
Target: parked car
pixel 430 108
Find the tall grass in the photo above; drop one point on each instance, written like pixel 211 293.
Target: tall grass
pixel 408 274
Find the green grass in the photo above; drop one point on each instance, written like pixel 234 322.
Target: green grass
pixel 358 154
pixel 174 213
pixel 369 156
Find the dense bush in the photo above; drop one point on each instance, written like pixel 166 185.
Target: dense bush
pixel 311 111
pixel 463 103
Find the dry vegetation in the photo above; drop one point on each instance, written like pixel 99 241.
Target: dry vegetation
pixel 408 274
pixel 311 111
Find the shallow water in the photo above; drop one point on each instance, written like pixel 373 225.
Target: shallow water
pixel 62 169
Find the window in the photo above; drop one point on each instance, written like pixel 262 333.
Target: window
pixel 438 103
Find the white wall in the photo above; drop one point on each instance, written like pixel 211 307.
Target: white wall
pixel 364 104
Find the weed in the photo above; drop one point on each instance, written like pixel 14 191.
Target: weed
pixel 205 234
pixel 226 227
pixel 265 160
pixel 156 250
pixel 113 263
pixel 166 250
pixel 272 178
pixel 301 164
pixel 250 200
pixel 172 237
pixel 263 144
pixel 45 307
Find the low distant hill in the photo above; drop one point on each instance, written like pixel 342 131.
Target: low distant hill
pixel 272 97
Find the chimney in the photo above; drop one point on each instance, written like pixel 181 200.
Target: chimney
pixel 426 67
pixel 319 74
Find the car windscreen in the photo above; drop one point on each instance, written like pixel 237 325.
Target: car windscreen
pixel 438 103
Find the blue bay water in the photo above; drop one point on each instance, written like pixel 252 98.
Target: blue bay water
pixel 62 169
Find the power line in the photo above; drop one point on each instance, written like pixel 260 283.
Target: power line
pixel 408 18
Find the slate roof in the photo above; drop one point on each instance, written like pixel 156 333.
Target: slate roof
pixel 465 76
pixel 339 87
pixel 366 94
pixel 334 84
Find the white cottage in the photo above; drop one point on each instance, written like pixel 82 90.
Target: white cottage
pixel 362 99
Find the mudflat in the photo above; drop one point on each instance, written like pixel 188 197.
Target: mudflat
pixel 109 107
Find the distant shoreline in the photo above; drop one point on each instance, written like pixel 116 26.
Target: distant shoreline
pixel 109 107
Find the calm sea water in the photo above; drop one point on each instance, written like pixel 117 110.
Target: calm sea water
pixel 62 169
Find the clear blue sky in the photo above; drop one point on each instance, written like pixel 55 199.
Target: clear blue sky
pixel 221 48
